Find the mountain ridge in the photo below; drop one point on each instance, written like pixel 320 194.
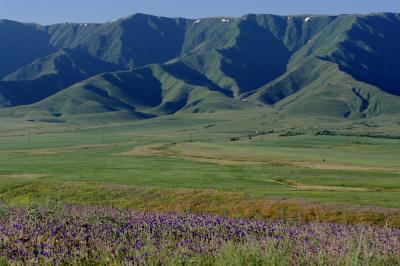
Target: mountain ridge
pixel 340 66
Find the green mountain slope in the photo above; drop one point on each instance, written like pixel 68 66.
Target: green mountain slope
pixel 21 44
pixel 48 75
pixel 320 88
pixel 235 47
pixel 130 42
pixel 69 63
pixel 143 93
pixel 342 67
pixel 257 50
pixel 371 51
pixel 336 73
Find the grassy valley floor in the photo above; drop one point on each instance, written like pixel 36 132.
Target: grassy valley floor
pixel 202 166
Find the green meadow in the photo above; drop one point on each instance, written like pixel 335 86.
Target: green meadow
pixel 189 165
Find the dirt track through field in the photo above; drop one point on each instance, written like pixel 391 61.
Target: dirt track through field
pixel 147 150
pixel 69 149
pixel 23 176
pixel 201 155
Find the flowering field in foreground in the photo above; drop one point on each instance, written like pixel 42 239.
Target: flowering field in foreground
pixel 100 235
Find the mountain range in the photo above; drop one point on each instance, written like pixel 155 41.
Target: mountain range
pixel 143 66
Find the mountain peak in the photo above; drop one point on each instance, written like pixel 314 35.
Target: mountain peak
pixel 338 66
pixel 144 15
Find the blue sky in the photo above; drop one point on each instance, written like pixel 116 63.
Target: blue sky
pixel 54 11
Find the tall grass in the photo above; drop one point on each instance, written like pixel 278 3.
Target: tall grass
pixel 70 235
